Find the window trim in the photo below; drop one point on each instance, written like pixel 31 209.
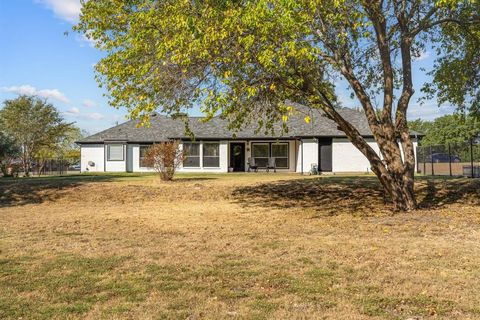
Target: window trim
pixel 108 151
pixel 199 155
pixel 270 152
pixel 203 154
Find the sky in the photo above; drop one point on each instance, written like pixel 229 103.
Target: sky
pixel 38 58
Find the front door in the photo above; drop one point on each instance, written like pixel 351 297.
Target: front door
pixel 237 156
pixel 325 154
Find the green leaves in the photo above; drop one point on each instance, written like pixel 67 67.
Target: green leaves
pixel 242 58
pixel 447 129
pixel 33 125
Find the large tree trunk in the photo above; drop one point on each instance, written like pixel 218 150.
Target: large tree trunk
pixel 398 182
pixel 396 173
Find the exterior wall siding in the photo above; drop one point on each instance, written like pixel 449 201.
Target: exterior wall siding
pixel 302 155
pixel 309 155
pixel 92 154
pixel 347 158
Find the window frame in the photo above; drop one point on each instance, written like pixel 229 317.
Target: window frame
pixel 203 154
pixel 270 144
pixel 108 151
pixel 287 157
pixel 199 156
pixel 140 155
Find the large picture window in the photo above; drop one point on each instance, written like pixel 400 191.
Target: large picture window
pixel 115 152
pixel 261 151
pixel 142 160
pixel 211 154
pixel 280 153
pixel 191 151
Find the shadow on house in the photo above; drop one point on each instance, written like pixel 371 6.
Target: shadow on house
pixel 329 195
pixel 22 191
pixel 362 196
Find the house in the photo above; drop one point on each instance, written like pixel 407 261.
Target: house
pixel 217 149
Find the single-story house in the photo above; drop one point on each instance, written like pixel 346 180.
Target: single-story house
pixel 217 149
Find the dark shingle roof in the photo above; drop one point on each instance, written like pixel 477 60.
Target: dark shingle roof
pixel 163 128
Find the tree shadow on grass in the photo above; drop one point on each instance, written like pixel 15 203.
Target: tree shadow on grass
pixel 438 192
pixel 327 195
pixel 22 191
pixel 360 196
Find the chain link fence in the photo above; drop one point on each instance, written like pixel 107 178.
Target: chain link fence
pixel 453 159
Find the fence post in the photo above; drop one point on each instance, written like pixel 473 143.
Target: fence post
pixel 449 159
pixel 471 157
pixel 431 161
pixel 424 162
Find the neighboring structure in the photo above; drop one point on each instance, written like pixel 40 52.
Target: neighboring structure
pixel 319 142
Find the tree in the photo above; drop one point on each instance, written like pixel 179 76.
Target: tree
pixel 67 149
pixel 456 76
pixel 455 128
pixel 164 158
pixel 245 60
pixel 8 152
pixel 33 124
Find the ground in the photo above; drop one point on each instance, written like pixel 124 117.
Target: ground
pixel 236 246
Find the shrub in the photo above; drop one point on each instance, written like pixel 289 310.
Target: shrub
pixel 164 158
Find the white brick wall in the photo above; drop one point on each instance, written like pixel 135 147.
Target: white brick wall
pixel 92 153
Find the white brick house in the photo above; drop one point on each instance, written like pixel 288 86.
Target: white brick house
pixel 121 148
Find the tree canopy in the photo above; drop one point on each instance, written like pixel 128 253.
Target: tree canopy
pixel 447 129
pixel 33 124
pixel 246 60
pixel 456 74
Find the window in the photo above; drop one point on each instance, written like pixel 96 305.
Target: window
pixel 261 152
pixel 191 154
pixel 278 150
pixel 115 152
pixel 280 153
pixel 142 160
pixel 211 154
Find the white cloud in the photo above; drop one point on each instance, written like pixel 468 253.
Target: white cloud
pixel 89 103
pixel 25 89
pixel 96 116
pixel 31 90
pixel 428 111
pixel 77 114
pixel 423 55
pixel 73 111
pixel 67 10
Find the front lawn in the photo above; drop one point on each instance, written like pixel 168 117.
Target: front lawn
pixel 239 246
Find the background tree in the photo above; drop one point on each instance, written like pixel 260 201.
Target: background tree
pixel 454 128
pixel 33 124
pixel 246 59
pixel 67 149
pixel 8 152
pixel 457 72
pixel 164 158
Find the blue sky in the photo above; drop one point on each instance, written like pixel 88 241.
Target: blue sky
pixel 37 58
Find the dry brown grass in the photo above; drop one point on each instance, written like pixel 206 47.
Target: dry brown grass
pixel 246 246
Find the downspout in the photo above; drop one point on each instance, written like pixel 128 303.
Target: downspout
pixel 301 144
pixel 105 157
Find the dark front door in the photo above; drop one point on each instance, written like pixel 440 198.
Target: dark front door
pixel 325 154
pixel 237 156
